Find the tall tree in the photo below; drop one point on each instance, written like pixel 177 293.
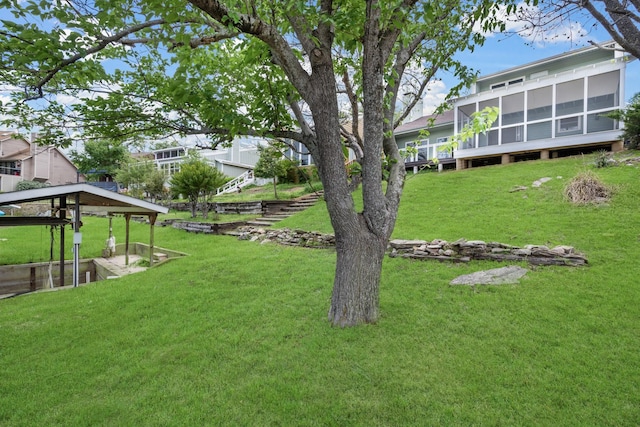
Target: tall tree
pixel 282 69
pixel 196 180
pixel 270 165
pixel 134 176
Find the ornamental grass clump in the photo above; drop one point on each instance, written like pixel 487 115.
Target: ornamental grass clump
pixel 587 188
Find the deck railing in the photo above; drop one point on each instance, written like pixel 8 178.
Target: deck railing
pixel 236 183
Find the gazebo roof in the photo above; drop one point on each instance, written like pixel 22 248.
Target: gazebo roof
pixel 90 199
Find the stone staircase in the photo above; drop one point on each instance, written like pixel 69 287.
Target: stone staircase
pixel 298 205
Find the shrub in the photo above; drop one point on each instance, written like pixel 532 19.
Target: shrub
pixel 585 188
pixel 631 118
pixel 29 185
pixel 603 159
pixel 291 173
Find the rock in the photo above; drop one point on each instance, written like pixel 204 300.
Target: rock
pixel 562 250
pixel 406 244
pixel 500 251
pixel 521 252
pixel 541 181
pixel 479 243
pixel 497 276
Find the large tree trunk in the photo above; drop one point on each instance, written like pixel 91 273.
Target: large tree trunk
pixel 357 279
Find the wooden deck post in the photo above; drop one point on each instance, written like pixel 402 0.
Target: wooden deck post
pixel 63 215
pixel 77 237
pixel 127 218
pixel 152 221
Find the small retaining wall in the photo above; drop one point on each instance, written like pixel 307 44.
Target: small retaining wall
pixel 142 249
pixel 207 228
pixel 440 250
pixel 260 207
pixel 246 208
pixel 21 278
pixel 464 251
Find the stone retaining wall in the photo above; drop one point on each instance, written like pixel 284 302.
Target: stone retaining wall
pixel 259 207
pixel 286 236
pixel 204 227
pixel 459 251
pixel 465 250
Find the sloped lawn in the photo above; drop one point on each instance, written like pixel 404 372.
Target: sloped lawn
pixel 236 333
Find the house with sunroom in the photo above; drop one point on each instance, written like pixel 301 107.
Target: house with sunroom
pixel 549 108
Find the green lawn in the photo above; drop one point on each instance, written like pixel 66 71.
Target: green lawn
pixel 236 333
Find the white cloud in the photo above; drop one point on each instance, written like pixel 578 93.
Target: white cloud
pixel 435 95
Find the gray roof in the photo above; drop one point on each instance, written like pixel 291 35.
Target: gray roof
pixel 425 122
pixel 91 198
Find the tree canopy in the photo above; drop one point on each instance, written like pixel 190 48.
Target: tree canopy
pixel 326 73
pixel 100 157
pixel 631 118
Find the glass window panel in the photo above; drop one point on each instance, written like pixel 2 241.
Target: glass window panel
pixel 489 138
pixel 495 102
pixel 538 131
pixel 603 91
pixel 598 123
pixel 464 118
pixel 512 134
pixel 569 126
pixel 513 109
pixel 569 97
pixel 539 103
pixel 423 153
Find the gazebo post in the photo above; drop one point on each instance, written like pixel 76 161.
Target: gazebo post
pixel 127 218
pixel 152 221
pixel 77 239
pixel 63 215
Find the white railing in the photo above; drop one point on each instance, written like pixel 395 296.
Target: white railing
pixel 236 183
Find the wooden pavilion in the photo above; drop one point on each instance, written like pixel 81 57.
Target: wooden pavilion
pixel 68 202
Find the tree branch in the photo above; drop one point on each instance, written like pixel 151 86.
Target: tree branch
pixel 284 55
pixel 104 42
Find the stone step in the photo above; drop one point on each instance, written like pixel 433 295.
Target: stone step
pixel 259 223
pixel 158 256
pixel 270 219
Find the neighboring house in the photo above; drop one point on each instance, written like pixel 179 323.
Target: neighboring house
pixel 298 153
pixel 428 146
pixel 233 161
pixel 549 108
pixel 21 160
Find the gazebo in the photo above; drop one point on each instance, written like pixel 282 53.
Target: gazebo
pixel 67 203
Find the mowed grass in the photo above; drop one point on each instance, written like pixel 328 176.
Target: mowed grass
pixel 236 333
